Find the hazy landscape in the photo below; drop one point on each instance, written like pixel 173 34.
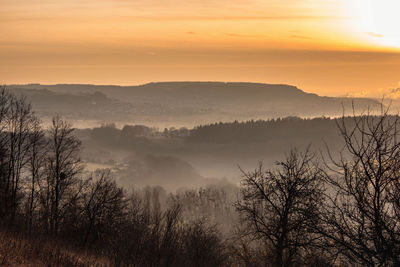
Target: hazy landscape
pixel 193 156
pixel 170 134
pixel 196 177
pixel 182 104
pixel 210 133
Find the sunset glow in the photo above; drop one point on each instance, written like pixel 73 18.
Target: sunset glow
pixel 379 19
pixel 132 42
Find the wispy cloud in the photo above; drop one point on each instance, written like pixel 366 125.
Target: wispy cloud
pixel 300 37
pixel 172 18
pixel 363 93
pixel 391 93
pixel 244 35
pixel 373 34
pixel 235 18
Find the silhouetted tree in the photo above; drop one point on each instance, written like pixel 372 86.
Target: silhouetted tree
pixel 36 167
pixel 5 98
pixel 103 202
pixel 43 170
pixel 278 206
pixel 203 246
pixel 362 221
pixel 17 121
pixel 63 164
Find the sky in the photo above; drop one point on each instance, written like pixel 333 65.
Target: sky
pixel 328 47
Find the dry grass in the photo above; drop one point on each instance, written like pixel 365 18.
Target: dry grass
pixel 16 250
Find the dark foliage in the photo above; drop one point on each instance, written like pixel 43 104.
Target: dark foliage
pixel 46 199
pixel 361 223
pixel 278 207
pixel 345 212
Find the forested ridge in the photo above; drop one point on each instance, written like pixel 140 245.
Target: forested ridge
pixel 182 103
pixel 312 208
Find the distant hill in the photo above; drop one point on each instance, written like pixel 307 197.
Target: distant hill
pixel 181 156
pixel 184 103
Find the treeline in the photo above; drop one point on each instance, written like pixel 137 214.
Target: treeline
pixel 45 193
pixel 259 131
pixel 289 128
pixel 311 210
pixel 340 209
pixel 132 135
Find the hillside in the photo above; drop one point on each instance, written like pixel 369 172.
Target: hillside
pixel 183 103
pixel 182 157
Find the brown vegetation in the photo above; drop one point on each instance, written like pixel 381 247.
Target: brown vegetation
pixel 303 213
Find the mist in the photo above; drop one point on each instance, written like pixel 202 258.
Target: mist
pixel 177 165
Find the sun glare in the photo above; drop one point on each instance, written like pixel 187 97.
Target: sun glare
pixel 378 20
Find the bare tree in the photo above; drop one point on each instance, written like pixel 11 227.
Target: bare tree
pixel 362 218
pixel 103 202
pixel 277 206
pixel 63 164
pixel 17 121
pixel 5 99
pixel 36 163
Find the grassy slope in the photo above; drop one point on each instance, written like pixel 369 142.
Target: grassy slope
pixel 16 250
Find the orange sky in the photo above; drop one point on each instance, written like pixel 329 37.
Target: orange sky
pixel 330 47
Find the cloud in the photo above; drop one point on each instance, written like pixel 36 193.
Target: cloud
pixel 394 93
pixel 190 33
pixel 375 34
pixel 243 35
pixel 391 93
pixel 300 37
pixel 152 18
pixel 363 93
pixel 236 18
